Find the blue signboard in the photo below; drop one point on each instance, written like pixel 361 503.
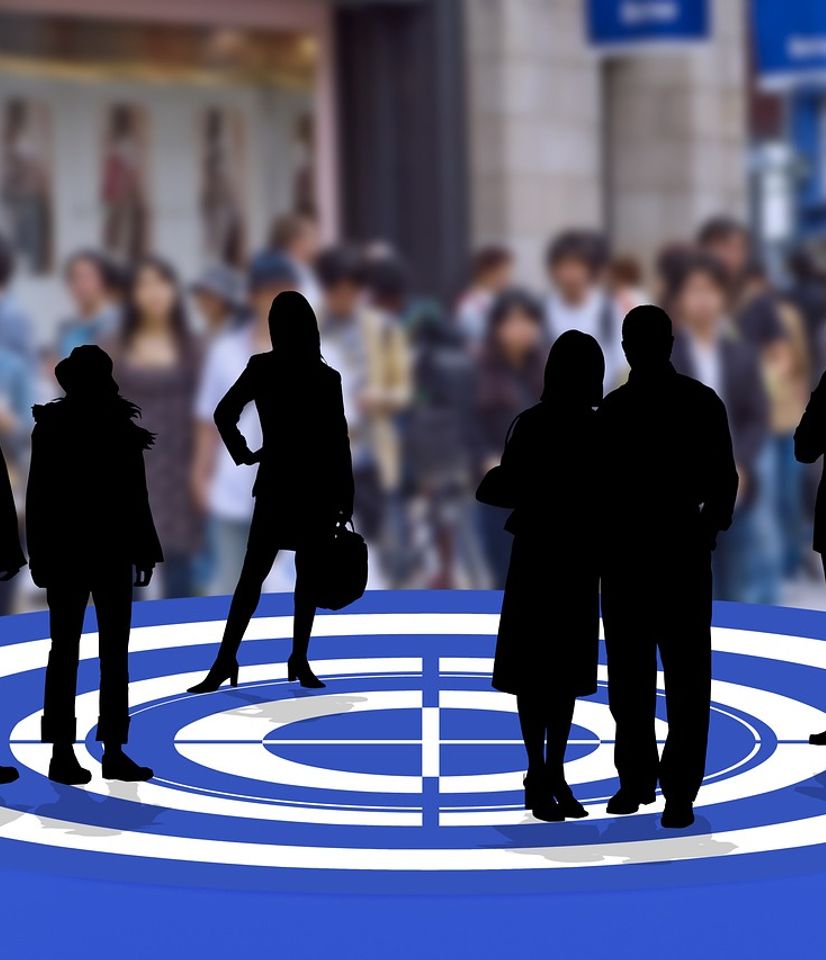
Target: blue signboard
pixel 613 23
pixel 790 38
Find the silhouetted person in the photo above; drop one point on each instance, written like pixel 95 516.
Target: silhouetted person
pixel 304 485
pixel 88 524
pixel 809 446
pixel 11 558
pixel 669 486
pixel 546 650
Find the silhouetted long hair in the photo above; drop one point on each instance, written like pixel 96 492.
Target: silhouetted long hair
pixel 131 314
pixel 294 330
pixel 574 371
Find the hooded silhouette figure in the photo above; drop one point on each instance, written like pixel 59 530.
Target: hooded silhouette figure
pixel 669 483
pixel 88 524
pixel 304 484
pixel 546 650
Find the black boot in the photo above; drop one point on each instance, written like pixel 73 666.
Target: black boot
pixel 64 768
pixel 8 774
pixel 569 805
pixel 678 814
pixel 117 766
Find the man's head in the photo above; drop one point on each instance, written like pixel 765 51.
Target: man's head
pixel 573 261
pixel 270 273
pixel 341 275
pixel 296 235
pixel 219 294
pixel 647 337
pixel 698 294
pixel 492 267
pixel 87 276
pixel 729 241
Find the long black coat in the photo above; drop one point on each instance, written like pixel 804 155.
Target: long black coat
pixel 86 504
pixel 549 628
pixel 306 471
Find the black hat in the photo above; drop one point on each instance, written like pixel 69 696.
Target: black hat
pixel 87 370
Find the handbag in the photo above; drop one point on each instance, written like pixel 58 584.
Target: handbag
pixel 338 569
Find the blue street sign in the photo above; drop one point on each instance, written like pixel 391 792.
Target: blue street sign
pixel 790 38
pixel 630 22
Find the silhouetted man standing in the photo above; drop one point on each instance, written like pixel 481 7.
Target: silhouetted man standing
pixel 670 483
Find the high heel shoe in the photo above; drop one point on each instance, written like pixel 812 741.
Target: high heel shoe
pixel 300 670
pixel 218 673
pixel 566 801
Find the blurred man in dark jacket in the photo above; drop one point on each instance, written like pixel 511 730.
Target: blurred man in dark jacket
pixel 708 349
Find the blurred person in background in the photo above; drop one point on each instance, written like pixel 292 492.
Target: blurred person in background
pixel 387 285
pixel 220 299
pixel 442 445
pixel 787 374
pixel 756 316
pixel 708 348
pixel 296 237
pixel 370 350
pixel 491 272
pixel 15 323
pixel 668 267
pixel 157 362
pixel 625 283
pixel 757 319
pixel 578 300
pixel 807 292
pixel 222 491
pixel 510 372
pixel 95 316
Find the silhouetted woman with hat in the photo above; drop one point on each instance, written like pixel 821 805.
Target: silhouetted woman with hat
pixel 90 531
pixel 546 650
pixel 304 485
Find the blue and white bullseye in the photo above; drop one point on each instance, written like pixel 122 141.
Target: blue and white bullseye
pixel 408 761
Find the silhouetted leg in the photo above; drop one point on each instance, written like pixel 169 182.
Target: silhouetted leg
pixel 112 596
pixel 258 561
pixel 532 721
pixel 67 605
pixel 632 698
pixel 687 668
pixel 559 714
pixel 303 608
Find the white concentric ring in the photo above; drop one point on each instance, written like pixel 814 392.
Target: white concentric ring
pixel 27 827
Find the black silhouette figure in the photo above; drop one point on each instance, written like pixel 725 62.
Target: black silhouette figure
pixel 809 446
pixel 304 485
pixel 11 559
pixel 669 486
pixel 546 651
pixel 88 524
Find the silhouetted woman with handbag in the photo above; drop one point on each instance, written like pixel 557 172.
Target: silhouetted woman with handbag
pixel 304 487
pixel 546 650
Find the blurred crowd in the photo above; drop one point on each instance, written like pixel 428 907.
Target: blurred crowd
pixel 430 389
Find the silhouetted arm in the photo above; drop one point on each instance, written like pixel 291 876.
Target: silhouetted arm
pixel 228 413
pixel 722 478
pixel 810 436
pixel 343 457
pixel 40 525
pixel 146 546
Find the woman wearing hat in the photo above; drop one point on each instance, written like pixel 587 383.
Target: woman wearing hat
pixel 89 525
